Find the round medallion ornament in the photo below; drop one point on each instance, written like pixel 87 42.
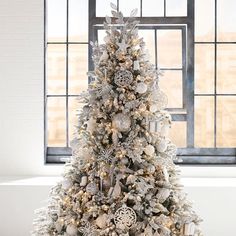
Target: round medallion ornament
pixel 123 78
pixel 125 217
pixel 92 188
pixel 121 122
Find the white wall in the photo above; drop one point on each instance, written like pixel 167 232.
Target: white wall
pixel 213 200
pixel 21 88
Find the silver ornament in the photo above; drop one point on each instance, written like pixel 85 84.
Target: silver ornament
pixel 121 122
pixel 141 88
pixel 123 78
pixel 125 217
pixel 92 188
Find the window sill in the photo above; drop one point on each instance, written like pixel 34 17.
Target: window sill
pixel 50 181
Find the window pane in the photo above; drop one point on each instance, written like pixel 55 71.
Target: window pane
pixel 148 36
pixel 204 20
pixel 127 6
pixel 101 35
pixel 226 68
pixel 56 20
pixel 226 20
pixel 178 133
pixel 204 121
pixel 226 120
pixel 176 8
pixel 153 8
pixel 204 68
pixel 78 67
pixel 171 83
pixel 103 7
pixel 169 48
pixel 74 107
pixel 56 68
pixel 56 114
pixel 78 20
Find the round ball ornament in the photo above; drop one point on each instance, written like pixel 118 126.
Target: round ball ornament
pixel 123 78
pixel 162 146
pixel 71 230
pixel 92 188
pixel 141 88
pixel 149 150
pixel 121 122
pixel 125 217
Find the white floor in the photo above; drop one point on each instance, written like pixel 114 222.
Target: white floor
pixel 214 200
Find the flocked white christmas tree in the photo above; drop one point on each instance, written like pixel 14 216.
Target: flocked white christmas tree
pixel 121 179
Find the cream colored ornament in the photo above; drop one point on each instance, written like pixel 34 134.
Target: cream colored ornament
pixel 84 181
pixel 121 122
pixel 71 230
pixel 159 125
pixel 163 194
pixel 91 124
pixel 102 221
pixel 153 107
pixel 66 184
pixel 117 189
pixel 141 88
pixel 104 56
pixel 189 229
pixel 151 169
pixel 58 226
pixel 136 65
pixel 162 146
pixel 149 150
pixel 131 179
pixel 166 174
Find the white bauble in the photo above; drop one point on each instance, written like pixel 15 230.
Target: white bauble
pixel 189 229
pixel 58 226
pixel 151 169
pixel 84 181
pixel 66 184
pixel 162 146
pixel 153 107
pixel 72 230
pixel 121 122
pixel 149 150
pixel 102 221
pixel 141 88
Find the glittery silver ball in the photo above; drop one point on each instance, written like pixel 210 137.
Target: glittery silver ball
pixel 121 122
pixel 123 78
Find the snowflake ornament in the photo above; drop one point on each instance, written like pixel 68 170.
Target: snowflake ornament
pixel 88 230
pixel 123 78
pixel 106 155
pixel 125 217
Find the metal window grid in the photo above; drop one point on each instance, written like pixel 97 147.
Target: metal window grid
pixel 190 155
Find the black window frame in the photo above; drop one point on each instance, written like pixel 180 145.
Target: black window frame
pixel 190 155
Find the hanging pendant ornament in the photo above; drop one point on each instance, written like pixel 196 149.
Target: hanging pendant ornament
pixel 136 65
pixel 121 122
pixel 158 98
pixel 141 88
pixel 189 229
pixel 123 78
pixel 125 217
pixel 88 230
